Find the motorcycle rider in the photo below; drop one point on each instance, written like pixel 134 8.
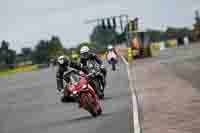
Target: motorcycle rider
pixel 86 55
pixel 63 64
pixel 111 53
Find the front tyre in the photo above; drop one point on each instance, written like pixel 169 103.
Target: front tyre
pixel 63 99
pixel 66 99
pixel 88 105
pixel 99 111
pixel 113 67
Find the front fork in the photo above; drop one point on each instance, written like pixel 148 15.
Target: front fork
pixel 93 94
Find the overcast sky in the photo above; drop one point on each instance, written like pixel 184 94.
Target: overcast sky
pixel 24 22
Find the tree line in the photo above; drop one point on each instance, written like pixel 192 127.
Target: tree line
pixel 100 38
pixel 42 53
pixel 46 50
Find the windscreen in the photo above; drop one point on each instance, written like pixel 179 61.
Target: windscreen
pixel 74 78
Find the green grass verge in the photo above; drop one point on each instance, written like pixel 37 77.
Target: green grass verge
pixel 18 69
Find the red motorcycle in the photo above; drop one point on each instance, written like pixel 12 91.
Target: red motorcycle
pixel 80 90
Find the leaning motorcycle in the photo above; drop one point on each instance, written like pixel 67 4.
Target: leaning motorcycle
pixel 77 85
pixel 112 59
pixel 98 79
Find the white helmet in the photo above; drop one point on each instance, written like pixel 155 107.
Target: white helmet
pixel 63 59
pixel 84 49
pixel 110 47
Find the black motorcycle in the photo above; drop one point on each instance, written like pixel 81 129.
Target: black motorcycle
pixel 98 79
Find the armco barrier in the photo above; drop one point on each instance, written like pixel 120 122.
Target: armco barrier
pixel 42 66
pixel 159 46
pixel 171 43
pixel 155 49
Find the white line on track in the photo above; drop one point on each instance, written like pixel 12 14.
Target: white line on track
pixel 137 127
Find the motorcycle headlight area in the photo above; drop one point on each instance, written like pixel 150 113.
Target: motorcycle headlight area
pixel 93 71
pixel 84 87
pixel 90 66
pixel 74 92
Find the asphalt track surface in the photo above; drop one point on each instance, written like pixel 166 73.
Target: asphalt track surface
pixel 28 105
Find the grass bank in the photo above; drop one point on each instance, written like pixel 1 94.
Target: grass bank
pixel 18 69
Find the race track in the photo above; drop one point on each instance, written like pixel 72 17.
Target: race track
pixel 28 105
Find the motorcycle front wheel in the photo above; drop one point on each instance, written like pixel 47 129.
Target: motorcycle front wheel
pixel 66 99
pixel 113 67
pixel 88 105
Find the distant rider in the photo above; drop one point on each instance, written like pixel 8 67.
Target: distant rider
pixel 111 54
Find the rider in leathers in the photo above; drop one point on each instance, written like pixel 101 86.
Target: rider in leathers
pixel 64 63
pixel 111 53
pixel 86 55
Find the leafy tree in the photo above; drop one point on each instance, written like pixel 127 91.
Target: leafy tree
pixel 55 47
pixel 41 54
pixel 156 35
pixel 26 51
pixel 121 38
pixel 11 57
pixel 45 50
pixel 25 55
pixel 7 56
pixel 174 29
pixel 4 45
pixel 178 32
pixel 102 37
